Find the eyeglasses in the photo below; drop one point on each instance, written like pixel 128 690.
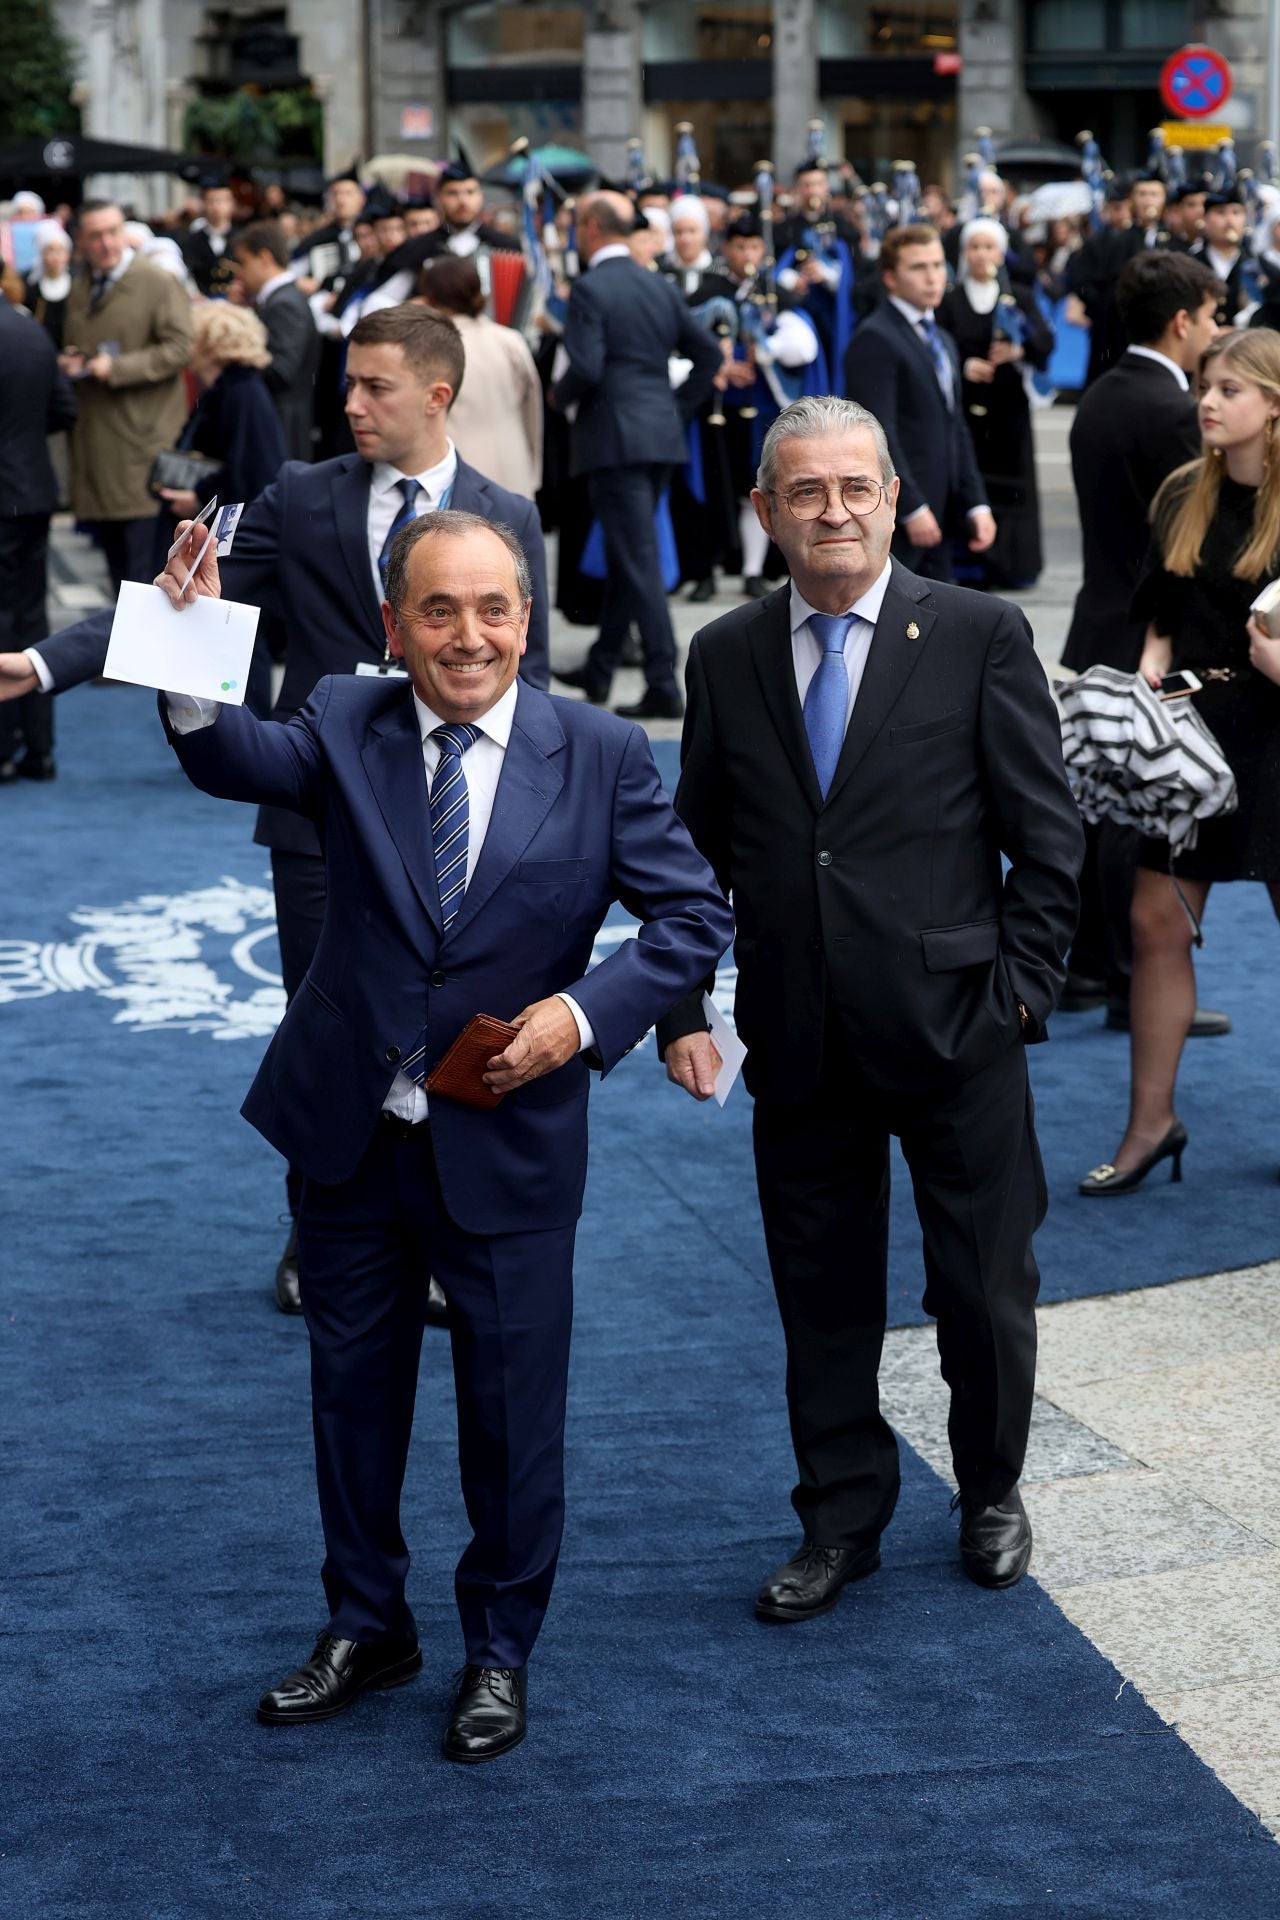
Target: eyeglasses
pixel 809 500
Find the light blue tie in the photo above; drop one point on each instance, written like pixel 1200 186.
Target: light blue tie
pixel 940 357
pixel 406 516
pixel 826 704
pixel 450 817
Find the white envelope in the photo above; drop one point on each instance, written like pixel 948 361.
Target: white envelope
pixel 203 650
pixel 728 1046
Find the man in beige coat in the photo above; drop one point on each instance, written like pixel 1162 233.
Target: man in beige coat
pixel 127 335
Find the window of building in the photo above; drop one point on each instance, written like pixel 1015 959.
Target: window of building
pixel 493 35
pixel 712 30
pixel 1106 26
pixel 886 26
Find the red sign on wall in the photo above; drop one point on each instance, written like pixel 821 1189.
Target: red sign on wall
pixel 1195 82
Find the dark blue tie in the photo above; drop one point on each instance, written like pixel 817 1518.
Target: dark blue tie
pixel 939 355
pixel 826 704
pixel 451 817
pixel 407 514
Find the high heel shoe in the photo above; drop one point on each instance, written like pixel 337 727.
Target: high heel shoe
pixel 1108 1179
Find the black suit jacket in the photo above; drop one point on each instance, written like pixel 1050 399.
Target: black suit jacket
pixel 889 370
pixel 211 271
pixel 1133 426
pixel 622 326
pixel 887 901
pixel 36 399
pixel 295 362
pixel 302 553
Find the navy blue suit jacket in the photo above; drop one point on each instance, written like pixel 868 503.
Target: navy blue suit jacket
pixel 888 369
pixel 302 553
pixel 36 399
pixel 622 326
pixel 580 819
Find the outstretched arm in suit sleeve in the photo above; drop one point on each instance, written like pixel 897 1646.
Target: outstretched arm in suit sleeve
pixel 1037 818
pixel 236 756
pixel 701 803
pixel 584 344
pixel 871 373
pixel 685 924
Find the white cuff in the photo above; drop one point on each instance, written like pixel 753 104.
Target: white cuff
pixel 42 672
pixel 187 714
pixel 586 1032
pixel 915 515
pixel 984 508
pixel 787 279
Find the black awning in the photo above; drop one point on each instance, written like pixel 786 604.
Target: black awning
pixel 69 156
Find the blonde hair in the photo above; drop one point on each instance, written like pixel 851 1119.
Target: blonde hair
pixel 1187 504
pixel 232 336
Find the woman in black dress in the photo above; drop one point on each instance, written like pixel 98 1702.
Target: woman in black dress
pixel 999 329
pixel 1216 543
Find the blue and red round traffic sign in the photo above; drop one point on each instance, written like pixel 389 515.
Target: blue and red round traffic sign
pixel 1195 82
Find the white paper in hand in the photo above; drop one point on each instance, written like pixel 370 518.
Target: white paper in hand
pixel 203 650
pixel 727 1045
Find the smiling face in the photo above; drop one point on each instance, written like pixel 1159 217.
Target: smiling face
pixel 837 547
pixel 461 627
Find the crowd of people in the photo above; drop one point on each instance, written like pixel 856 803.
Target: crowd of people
pixel 830 402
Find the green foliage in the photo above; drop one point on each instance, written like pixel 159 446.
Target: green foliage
pixel 252 128
pixel 37 73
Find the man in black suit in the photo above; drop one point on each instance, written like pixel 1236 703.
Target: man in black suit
pixel 36 399
pixel 462 230
pixel 262 266
pixel 1224 250
pixel 1132 428
pixel 901 364
pixel 208 243
pixel 860 751
pixel 621 329
pixel 1094 271
pixel 311 550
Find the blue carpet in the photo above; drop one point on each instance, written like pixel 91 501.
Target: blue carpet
pixel 925 1750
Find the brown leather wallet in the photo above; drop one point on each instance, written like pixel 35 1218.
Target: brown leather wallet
pixel 460 1075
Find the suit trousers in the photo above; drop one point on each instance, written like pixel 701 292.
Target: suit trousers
pixel 624 501
pixel 24 579
pixel 298 880
pixel 365 1248
pixel 823 1171
pixel 128 547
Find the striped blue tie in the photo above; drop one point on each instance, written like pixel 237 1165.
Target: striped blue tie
pixel 405 518
pixel 940 357
pixel 826 704
pixel 450 817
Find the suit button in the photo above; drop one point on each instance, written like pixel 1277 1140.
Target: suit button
pixel 437 978
pixel 824 858
pixel 393 1054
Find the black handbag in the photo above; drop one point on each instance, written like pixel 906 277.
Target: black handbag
pixel 184 472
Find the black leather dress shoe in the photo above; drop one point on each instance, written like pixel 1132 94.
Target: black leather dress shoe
pixel 336 1672
pixel 755 586
pixel 995 1541
pixel 810 1583
pixel 38 766
pixel 1206 1024
pixel 702 591
pixel 654 706
pixel 1082 995
pixel 489 1715
pixel 597 691
pixel 288 1292
pixel 436 1313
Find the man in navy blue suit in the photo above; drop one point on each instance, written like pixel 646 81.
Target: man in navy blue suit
pixel 905 370
pixel 622 327
pixel 311 551
pixel 476 833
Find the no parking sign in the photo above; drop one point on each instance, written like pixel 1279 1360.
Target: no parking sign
pixel 1195 82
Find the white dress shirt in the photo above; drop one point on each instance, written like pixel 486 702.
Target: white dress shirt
pixel 806 649
pixel 1163 360
pixel 616 250
pixel 282 279
pixel 386 502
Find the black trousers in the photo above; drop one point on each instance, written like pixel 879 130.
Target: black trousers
pixel 365 1248
pixel 299 883
pixel 128 547
pixel 24 582
pixel 823 1171
pixel 624 501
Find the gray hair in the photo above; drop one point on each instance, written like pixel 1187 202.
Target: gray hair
pixel 449 523
pixel 820 413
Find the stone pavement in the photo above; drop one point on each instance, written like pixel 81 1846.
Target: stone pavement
pixel 1153 1478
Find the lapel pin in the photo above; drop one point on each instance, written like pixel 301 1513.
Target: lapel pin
pixel 913 631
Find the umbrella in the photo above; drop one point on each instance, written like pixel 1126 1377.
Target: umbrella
pixel 393 169
pixel 1059 200
pixel 1142 761
pixel 73 155
pixel 565 165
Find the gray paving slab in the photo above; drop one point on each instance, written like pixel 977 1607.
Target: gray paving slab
pixel 1185 1628
pixel 1154 1329
pixel 1114 1525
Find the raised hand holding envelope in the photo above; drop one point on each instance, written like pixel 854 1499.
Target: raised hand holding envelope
pixel 179 635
